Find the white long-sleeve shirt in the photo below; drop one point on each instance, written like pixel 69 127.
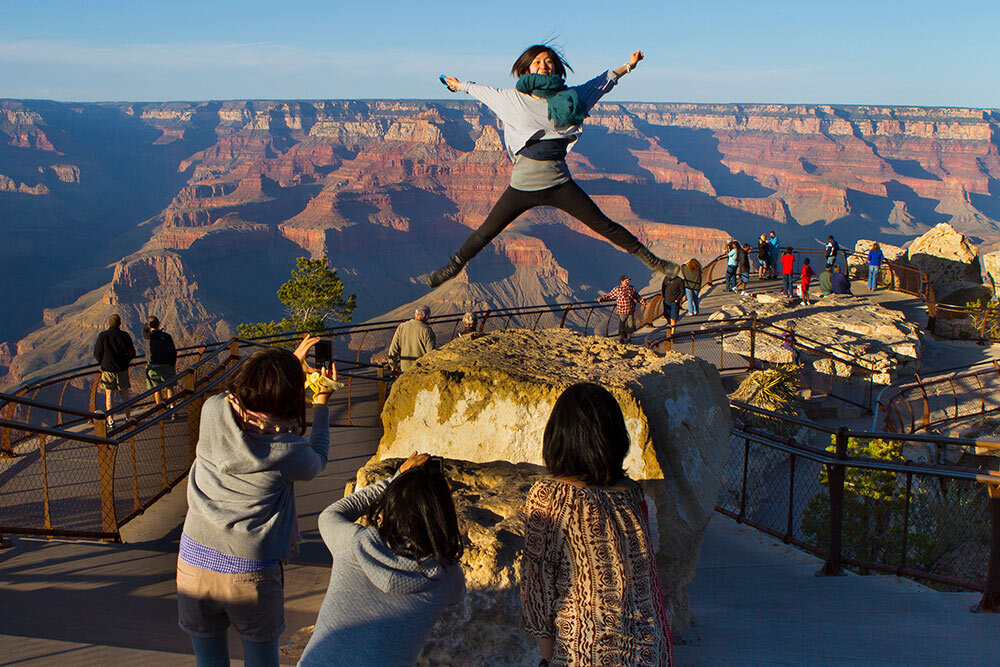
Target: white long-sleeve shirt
pixel 526 118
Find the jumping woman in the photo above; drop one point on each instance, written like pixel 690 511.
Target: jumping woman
pixel 542 119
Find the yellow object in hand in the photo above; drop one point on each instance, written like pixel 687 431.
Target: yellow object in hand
pixel 321 384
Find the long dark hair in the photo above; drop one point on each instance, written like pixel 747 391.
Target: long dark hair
pixel 416 517
pixel 523 61
pixel 271 381
pixel 585 436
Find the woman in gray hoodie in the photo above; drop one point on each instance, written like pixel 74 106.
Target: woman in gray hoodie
pixel 241 518
pixel 391 580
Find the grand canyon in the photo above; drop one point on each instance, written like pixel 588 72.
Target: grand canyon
pixel 196 211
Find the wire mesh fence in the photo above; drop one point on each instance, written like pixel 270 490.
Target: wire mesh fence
pixel 930 522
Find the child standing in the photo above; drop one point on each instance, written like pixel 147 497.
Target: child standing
pixel 807 274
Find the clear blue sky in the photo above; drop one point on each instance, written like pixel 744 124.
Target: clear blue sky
pixel 849 52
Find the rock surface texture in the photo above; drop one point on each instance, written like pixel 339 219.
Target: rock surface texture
pixel 489 398
pixel 951 262
pixel 853 330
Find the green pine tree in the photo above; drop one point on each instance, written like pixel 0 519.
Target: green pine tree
pixel 313 299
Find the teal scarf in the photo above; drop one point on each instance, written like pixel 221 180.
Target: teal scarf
pixel 564 103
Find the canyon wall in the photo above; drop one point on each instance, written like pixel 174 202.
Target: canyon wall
pixel 195 211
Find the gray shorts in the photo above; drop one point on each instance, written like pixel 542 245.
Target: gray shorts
pixel 209 602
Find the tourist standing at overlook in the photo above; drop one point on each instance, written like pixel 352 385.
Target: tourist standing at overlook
pixel 113 351
pixel 875 259
pixel 542 120
pixel 590 591
pixel 412 340
pixel 161 357
pixel 732 260
pixel 691 272
pixel 775 247
pixel 241 519
pixel 830 253
pixel 672 291
pixel 787 270
pixel 625 298
pixel 391 578
pixel 743 261
pixel 763 257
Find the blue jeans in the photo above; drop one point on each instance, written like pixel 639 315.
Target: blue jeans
pixel 730 278
pixel 872 277
pixel 786 287
pixel 214 652
pixel 693 301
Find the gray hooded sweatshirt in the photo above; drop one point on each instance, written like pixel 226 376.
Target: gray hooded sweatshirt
pixel 240 496
pixel 379 607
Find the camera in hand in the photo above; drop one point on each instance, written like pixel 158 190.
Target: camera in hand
pixel 435 463
pixel 324 354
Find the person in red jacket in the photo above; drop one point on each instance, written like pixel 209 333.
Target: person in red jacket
pixel 807 274
pixel 787 269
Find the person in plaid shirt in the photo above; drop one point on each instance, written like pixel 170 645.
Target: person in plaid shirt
pixel 625 297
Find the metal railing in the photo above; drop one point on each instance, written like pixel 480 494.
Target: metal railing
pixel 925 403
pixel 78 480
pixel 936 523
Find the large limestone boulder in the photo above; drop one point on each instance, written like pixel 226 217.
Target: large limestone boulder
pixel 950 260
pixel 489 398
pixel 857 265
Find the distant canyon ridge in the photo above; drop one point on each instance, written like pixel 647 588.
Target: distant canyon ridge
pixel 195 211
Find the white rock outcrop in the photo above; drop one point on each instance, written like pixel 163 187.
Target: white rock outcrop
pixel 951 262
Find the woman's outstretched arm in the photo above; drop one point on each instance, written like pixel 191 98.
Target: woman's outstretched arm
pixel 630 65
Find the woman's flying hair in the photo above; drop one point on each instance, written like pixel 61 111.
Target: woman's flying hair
pixel 271 381
pixel 523 61
pixel 693 265
pixel 585 437
pixel 416 517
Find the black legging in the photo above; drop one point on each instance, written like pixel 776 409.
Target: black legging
pixel 566 197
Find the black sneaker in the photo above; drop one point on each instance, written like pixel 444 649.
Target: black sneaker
pixel 445 273
pixel 654 263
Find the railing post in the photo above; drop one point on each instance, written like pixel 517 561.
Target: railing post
pixel 991 589
pixel 193 416
pixel 835 474
pixel 741 517
pixel 791 498
pixel 234 348
pixel 753 340
pixel 106 478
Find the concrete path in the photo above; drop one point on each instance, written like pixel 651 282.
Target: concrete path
pixel 757 601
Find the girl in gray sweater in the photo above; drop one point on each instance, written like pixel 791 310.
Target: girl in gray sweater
pixel 542 119
pixel 391 580
pixel 241 515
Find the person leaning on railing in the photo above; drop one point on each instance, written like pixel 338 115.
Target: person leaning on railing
pixel 875 259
